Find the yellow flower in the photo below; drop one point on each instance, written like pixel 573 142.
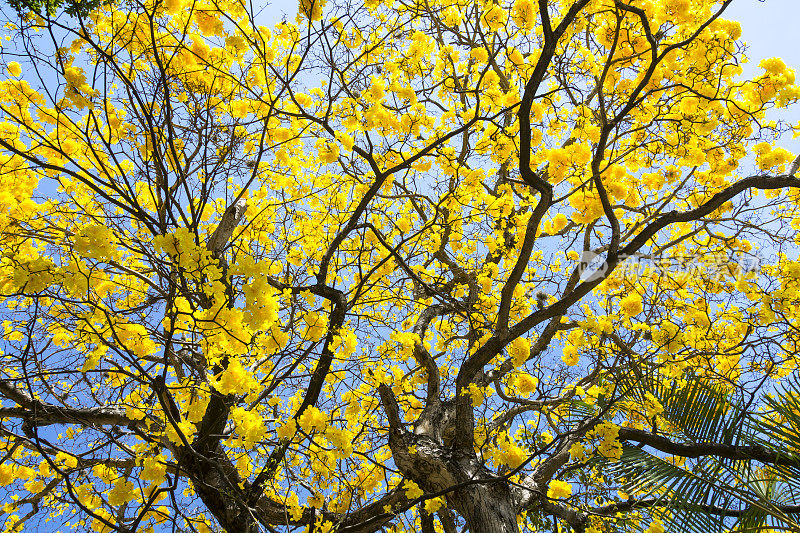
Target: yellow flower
pixel 558 223
pixel 495 18
pixel 66 460
pixel 239 108
pixel 6 474
pixel 609 447
pixel 526 384
pixel 524 14
pixel 154 469
pixel 313 418
pixel 476 393
pixel 122 492
pixel 433 504
pixel 235 379
pixel 404 224
pixel 106 473
pixel 99 526
pixel 249 424
pixel 328 152
pixel 34 486
pixel 570 356
pixel 519 350
pixel 773 65
pixel 75 77
pixel 346 140
pixel 577 452
pixel 287 430
pixel 559 489
pixel 479 54
pixel 312 9
pixel 656 526
pixel 412 490
pixel 376 91
pixel 186 428
pixel 631 305
pixel 652 406
pixel 14 69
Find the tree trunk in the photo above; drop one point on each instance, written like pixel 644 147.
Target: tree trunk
pixel 214 478
pixel 487 508
pixel 430 459
pixel 214 487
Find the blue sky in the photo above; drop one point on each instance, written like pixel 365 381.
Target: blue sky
pixel 770 27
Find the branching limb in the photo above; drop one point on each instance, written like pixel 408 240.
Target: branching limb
pixel 728 451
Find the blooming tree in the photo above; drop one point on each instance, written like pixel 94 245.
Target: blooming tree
pixel 369 270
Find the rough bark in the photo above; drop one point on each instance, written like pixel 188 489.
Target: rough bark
pixel 486 507
pixel 213 479
pixel 425 456
pixel 484 502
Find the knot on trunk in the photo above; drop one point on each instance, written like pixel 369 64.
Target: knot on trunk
pixel 425 461
pixel 437 422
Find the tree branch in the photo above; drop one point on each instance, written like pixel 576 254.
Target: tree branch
pixel 728 451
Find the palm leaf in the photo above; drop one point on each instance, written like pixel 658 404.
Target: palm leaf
pixel 693 497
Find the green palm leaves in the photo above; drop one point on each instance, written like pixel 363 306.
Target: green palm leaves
pixel 724 462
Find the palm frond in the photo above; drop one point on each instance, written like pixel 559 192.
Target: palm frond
pixel 714 494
